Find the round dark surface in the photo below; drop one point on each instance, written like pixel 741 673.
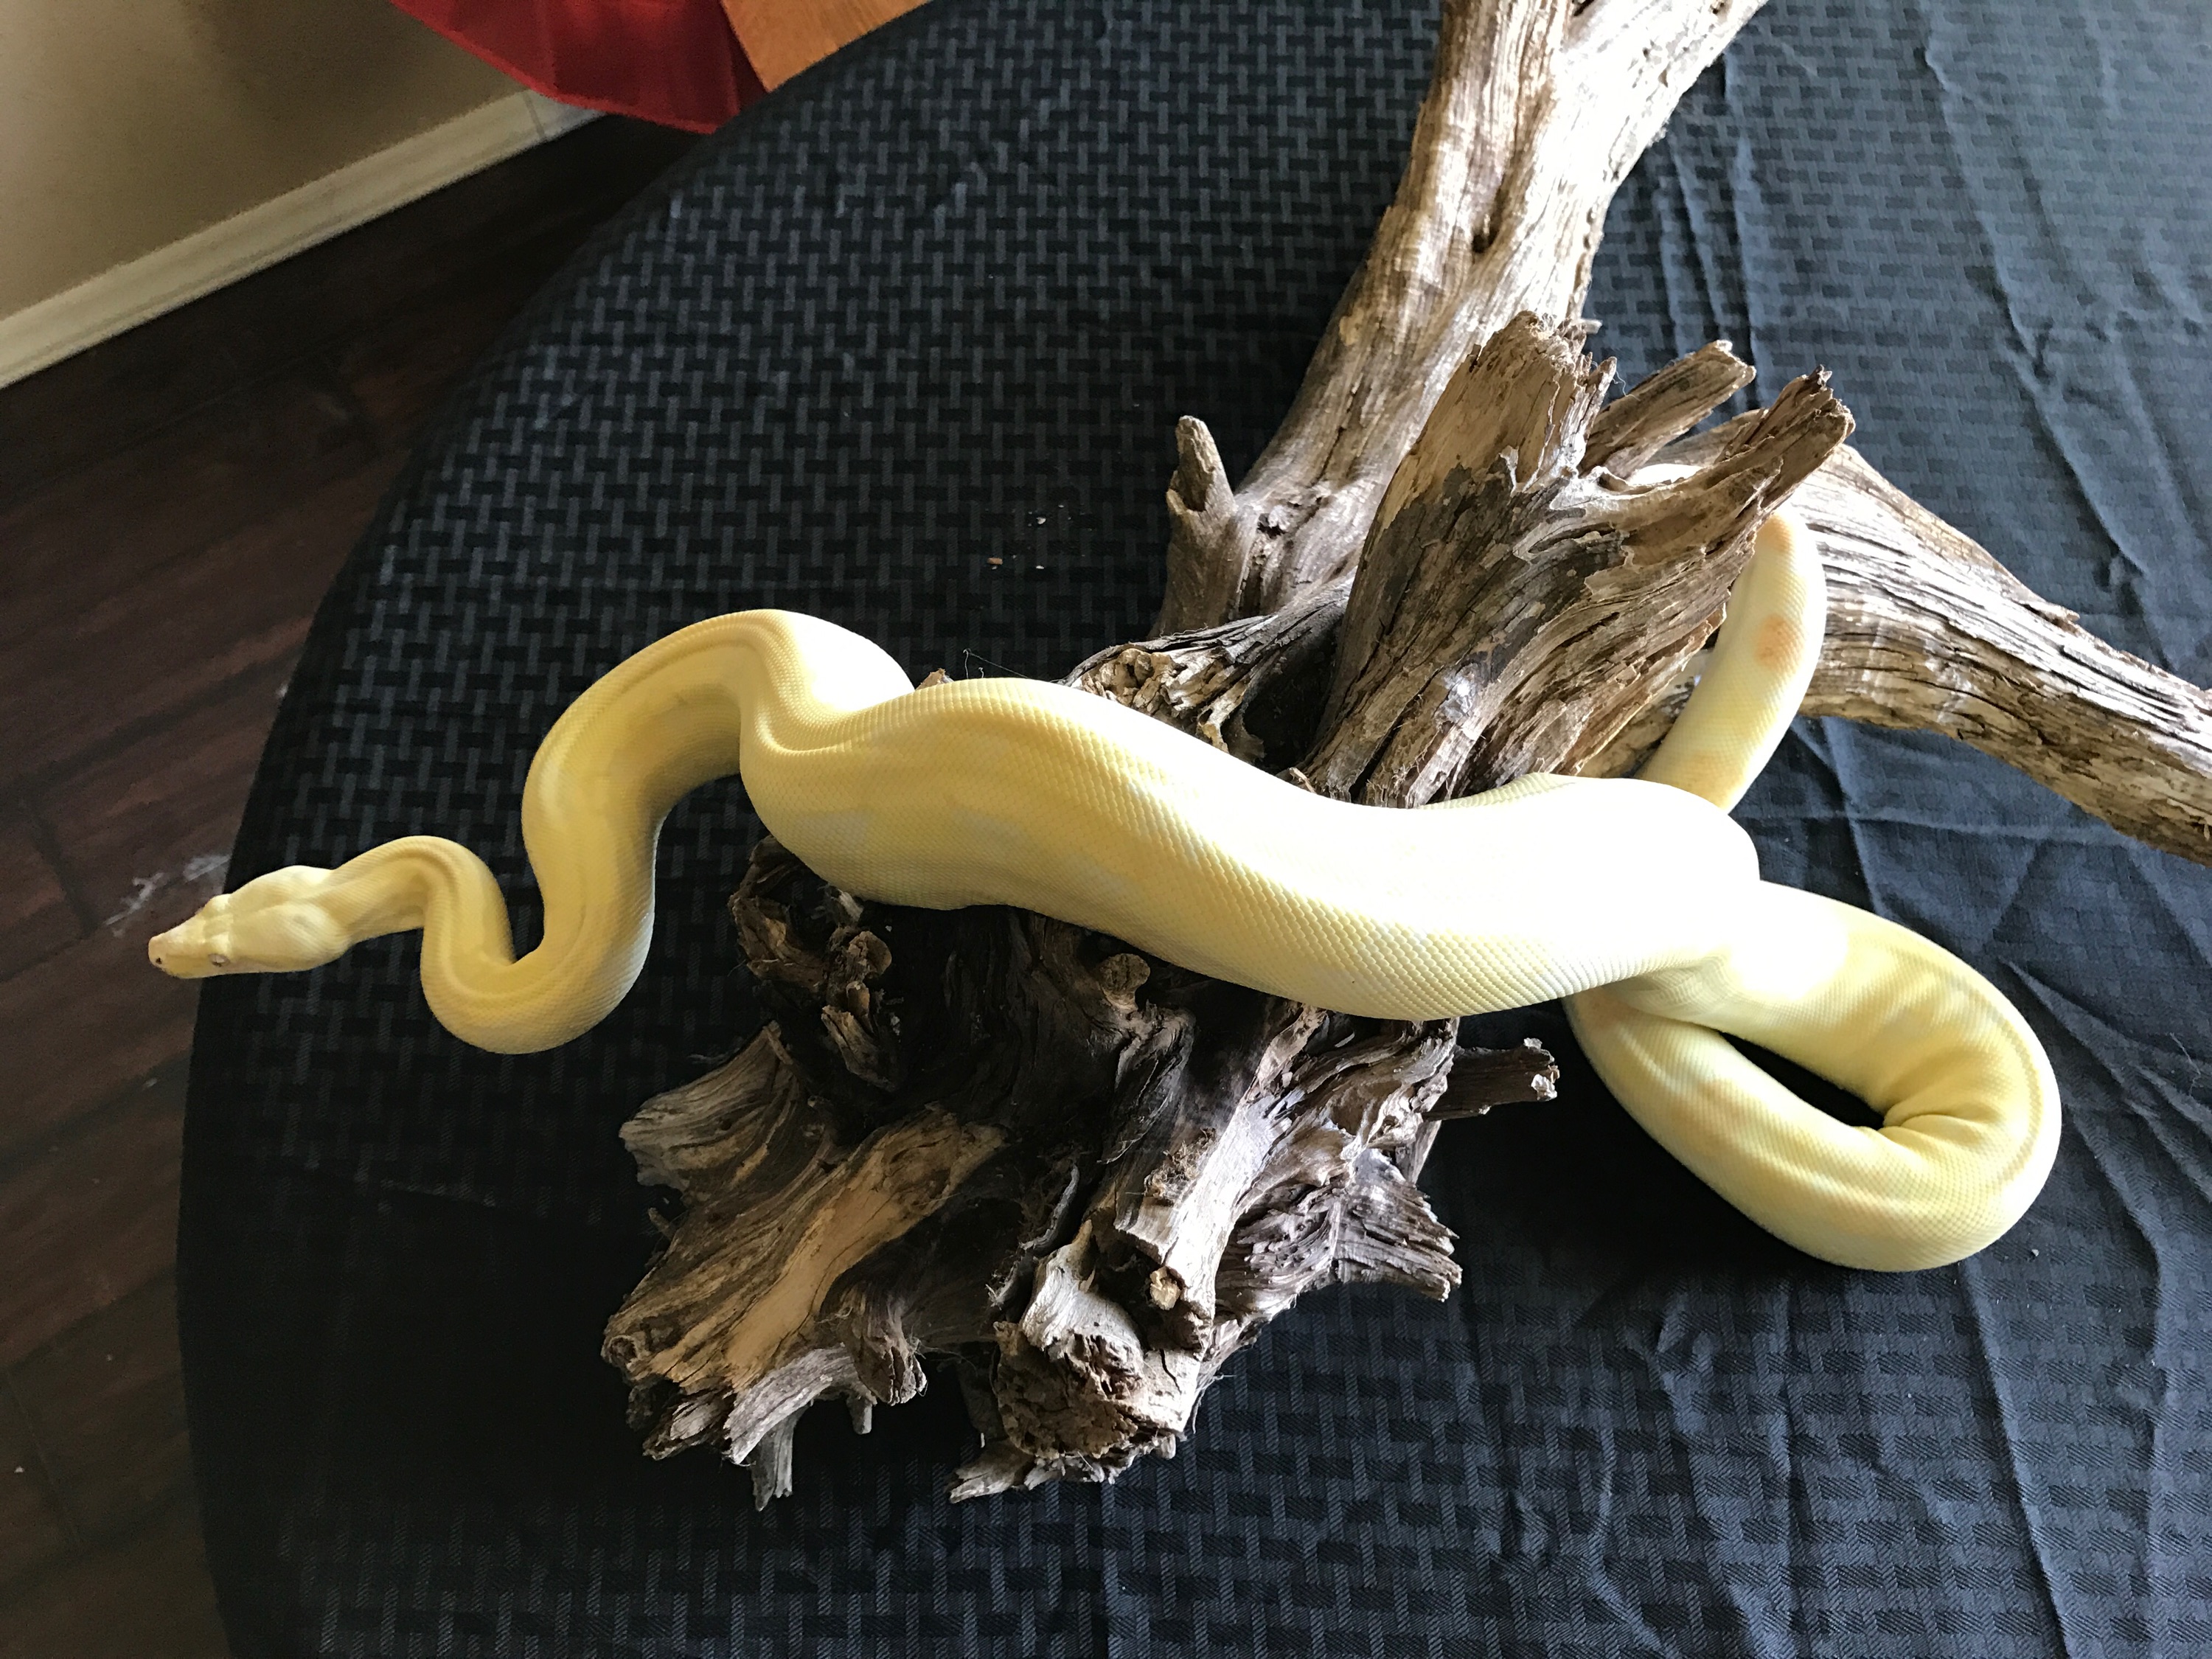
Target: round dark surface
pixel 904 347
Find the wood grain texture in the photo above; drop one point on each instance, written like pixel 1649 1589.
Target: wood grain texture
pixel 83 1027
pixel 89 1216
pixel 1926 631
pixel 1536 111
pixel 34 1529
pixel 106 1402
pixel 1205 1136
pixel 1438 577
pixel 173 504
pixel 144 830
pixel 1509 617
pixel 510 224
pixel 37 917
pixel 175 633
pixel 144 1596
pixel 1172 1162
pixel 222 467
pixel 140 583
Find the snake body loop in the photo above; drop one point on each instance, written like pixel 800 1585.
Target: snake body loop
pixel 1639 900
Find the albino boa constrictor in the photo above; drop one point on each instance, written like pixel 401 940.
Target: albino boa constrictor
pixel 1638 900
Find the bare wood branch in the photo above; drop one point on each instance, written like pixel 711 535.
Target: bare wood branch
pixel 1640 422
pixel 990 1135
pixel 1536 111
pixel 1512 621
pixel 1926 631
pixel 1251 687
pixel 1482 1078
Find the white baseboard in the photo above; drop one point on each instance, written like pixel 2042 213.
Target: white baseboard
pixel 237 246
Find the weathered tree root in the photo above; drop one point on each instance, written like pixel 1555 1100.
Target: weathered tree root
pixel 1088 1176
pixel 1926 631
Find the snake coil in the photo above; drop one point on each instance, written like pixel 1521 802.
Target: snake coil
pixel 1027 794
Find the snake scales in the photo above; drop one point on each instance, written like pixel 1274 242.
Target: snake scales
pixel 1638 900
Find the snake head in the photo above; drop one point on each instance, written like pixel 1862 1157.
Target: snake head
pixel 272 925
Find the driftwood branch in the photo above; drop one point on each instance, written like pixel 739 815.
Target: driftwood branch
pixel 1084 1177
pixel 1514 621
pixel 1926 631
pixel 1536 111
pixel 1090 1177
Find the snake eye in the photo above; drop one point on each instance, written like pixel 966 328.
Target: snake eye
pixel 218 960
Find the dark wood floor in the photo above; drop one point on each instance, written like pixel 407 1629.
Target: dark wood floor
pixel 173 504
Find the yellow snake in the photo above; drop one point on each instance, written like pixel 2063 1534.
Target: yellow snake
pixel 1637 899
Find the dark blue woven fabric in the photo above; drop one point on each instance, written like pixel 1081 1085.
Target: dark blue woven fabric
pixel 904 346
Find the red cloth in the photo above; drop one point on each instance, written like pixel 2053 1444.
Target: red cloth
pixel 674 62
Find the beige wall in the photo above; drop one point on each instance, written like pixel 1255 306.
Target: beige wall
pixel 125 124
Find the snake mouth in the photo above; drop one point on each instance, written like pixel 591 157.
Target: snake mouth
pixel 168 954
